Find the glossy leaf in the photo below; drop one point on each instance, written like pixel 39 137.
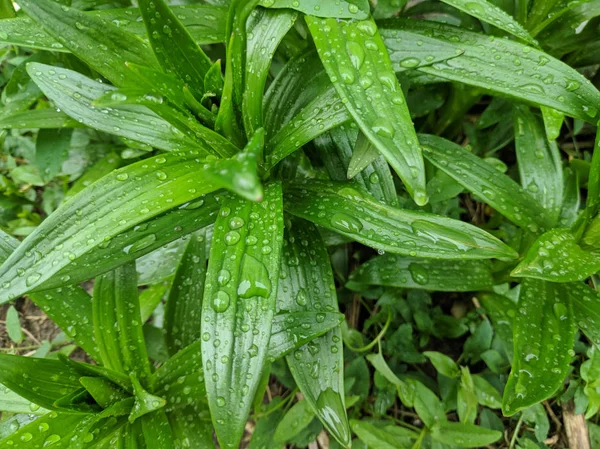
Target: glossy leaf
pixel 443 364
pixel 39 118
pixel 594 179
pixel 293 330
pixel 74 94
pixel 173 46
pixel 377 437
pixel 44 431
pixel 586 310
pixel 182 312
pixel 464 435
pixel 307 285
pixel 544 333
pixel 100 44
pixel 343 9
pixel 391 270
pixel 557 257
pixel 70 307
pixel 492 14
pixel 238 309
pixel 13 325
pixel 187 426
pixel 267 29
pixel 40 381
pixel 359 67
pixel 157 431
pixel 11 402
pixel 344 209
pixel 504 67
pixel 364 154
pixel 294 421
pixel 180 177
pixel 483 179
pixel 540 167
pixel 117 322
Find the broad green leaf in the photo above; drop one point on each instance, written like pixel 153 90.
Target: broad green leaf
pixel 117 322
pixel 138 242
pixel 70 307
pixel 292 330
pixel 11 402
pixel 13 325
pixel 7 9
pixel 544 334
pixel 157 431
pixel 174 47
pixel 162 263
pixel 44 431
pixel 103 167
pixel 188 426
pixel 41 381
pixel 39 118
pixel 484 180
pixel 320 115
pixel 142 190
pixel 466 399
pixel 101 44
pixel 492 14
pixel 182 312
pixel 392 270
pixel 442 363
pixel 337 147
pixel 74 94
pixel 307 285
pixel 501 66
pixel 238 307
pixel 294 421
pixel 539 163
pixel 464 435
pixel 206 24
pixel 593 199
pixel 51 150
pixel 553 121
pixel 557 257
pixel 387 437
pixel 343 9
pixel 104 392
pixel 346 210
pixel 360 69
pixel 266 30
pixel 586 310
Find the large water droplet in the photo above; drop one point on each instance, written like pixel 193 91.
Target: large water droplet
pixel 418 273
pixel 383 127
pixel 254 279
pixel 346 223
pixel 220 302
pixel 357 54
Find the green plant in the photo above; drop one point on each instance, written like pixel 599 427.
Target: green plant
pixel 242 187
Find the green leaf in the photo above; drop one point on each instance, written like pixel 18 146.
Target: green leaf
pixel 41 381
pixel 187 425
pixel 39 118
pixel 117 322
pixel 103 167
pixel 140 191
pixel 70 307
pixel 442 363
pixel 175 49
pixel 557 257
pixel 206 24
pixel 544 334
pixel 104 392
pixel 391 270
pixel 353 213
pixel 237 313
pixel 336 148
pixel 266 30
pixel 139 241
pixel 75 94
pixel 464 435
pixel 44 431
pixel 484 180
pixel 157 431
pixel 553 121
pixel 586 310
pixel 51 150
pixel 486 394
pixel 307 285
pixel 540 167
pixel 365 153
pixel 388 437
pixel 13 325
pixel 343 9
pixel 292 330
pixel 502 66
pixel 162 263
pixel 182 312
pixel 593 199
pixel 492 14
pixel 102 45
pixel 466 398
pixel 11 402
pixel 294 421
pixel 382 115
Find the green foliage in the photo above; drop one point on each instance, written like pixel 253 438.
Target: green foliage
pixel 384 215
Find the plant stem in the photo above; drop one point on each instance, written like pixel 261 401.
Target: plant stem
pixel 513 440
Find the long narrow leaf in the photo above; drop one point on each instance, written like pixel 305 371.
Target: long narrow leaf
pixel 343 9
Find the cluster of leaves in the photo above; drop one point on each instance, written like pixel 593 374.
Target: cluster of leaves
pixel 250 199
